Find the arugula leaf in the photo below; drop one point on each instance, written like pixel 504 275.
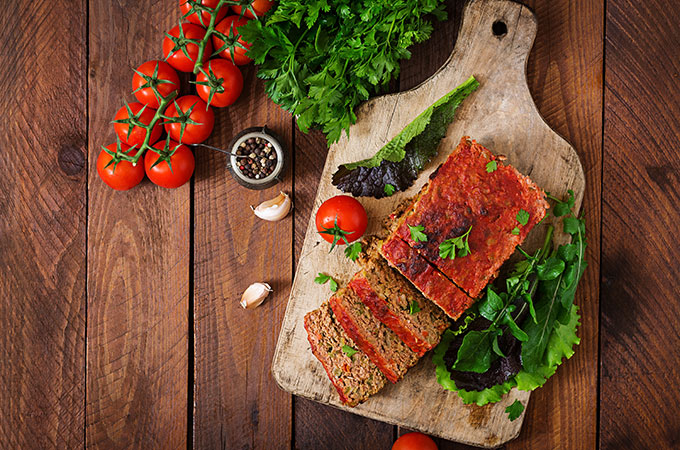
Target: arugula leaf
pixel 515 410
pixel 550 269
pixel 400 160
pixel 491 305
pixel 474 354
pixel 349 351
pixel 352 250
pixel 413 307
pixel 417 234
pixel 491 166
pixel 388 190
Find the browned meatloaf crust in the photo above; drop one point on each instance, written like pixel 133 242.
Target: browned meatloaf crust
pixel 388 295
pixel 355 377
pixel 464 194
pixel 379 343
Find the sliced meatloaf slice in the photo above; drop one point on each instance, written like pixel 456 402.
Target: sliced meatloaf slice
pixel 426 277
pixel 472 190
pixel 396 303
pixel 379 343
pixel 354 375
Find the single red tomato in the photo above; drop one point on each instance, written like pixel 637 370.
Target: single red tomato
pixel 204 18
pixel 172 47
pixel 136 111
pixel 229 27
pixel 260 6
pixel 224 83
pixel 175 167
pixel 122 175
pixel 341 220
pixel 195 120
pixel 414 441
pixel 152 74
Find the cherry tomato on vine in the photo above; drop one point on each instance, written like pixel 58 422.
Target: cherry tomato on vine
pixel 414 441
pixel 175 167
pixel 195 120
pixel 181 37
pixel 260 6
pixel 229 27
pixel 156 74
pixel 341 220
pixel 122 175
pixel 139 113
pixel 204 19
pixel 220 79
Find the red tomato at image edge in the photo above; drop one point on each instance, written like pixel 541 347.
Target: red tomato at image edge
pixel 232 84
pixel 201 113
pixel 228 26
pixel 204 19
pixel 351 217
pixel 414 441
pixel 260 6
pixel 182 162
pixel 164 73
pixel 124 176
pixel 177 58
pixel 136 135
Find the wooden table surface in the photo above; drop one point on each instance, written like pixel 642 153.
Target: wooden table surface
pixel 119 318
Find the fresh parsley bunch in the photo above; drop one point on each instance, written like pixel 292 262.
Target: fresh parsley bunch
pixel 519 332
pixel 321 58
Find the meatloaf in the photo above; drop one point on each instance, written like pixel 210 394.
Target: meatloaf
pixel 396 303
pixel 472 190
pixel 382 346
pixel 354 376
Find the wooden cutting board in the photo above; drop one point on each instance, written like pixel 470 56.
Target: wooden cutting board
pixel 493 45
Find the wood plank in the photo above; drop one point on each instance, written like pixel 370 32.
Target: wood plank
pixel 639 397
pixel 138 254
pixel 43 185
pixel 237 402
pixel 565 78
pixel 317 425
pixel 502 116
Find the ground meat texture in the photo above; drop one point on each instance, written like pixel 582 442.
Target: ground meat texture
pixel 462 194
pixel 388 295
pixel 425 277
pixel 354 377
pixel 379 343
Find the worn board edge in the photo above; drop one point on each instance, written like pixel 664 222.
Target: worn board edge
pixel 278 369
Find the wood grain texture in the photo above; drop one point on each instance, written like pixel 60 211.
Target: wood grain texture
pixel 502 116
pixel 42 223
pixel 317 425
pixel 639 397
pixel 565 78
pixel 138 259
pixel 237 402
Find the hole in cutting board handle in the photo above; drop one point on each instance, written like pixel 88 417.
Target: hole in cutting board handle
pixel 499 28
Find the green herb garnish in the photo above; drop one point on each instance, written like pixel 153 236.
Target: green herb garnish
pixel 322 278
pixel 515 410
pixel 491 166
pixel 352 250
pixel 417 234
pixel 389 190
pixel 457 246
pixel 413 307
pixel 522 217
pixel 349 351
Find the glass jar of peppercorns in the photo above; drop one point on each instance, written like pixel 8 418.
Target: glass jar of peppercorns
pixel 257 158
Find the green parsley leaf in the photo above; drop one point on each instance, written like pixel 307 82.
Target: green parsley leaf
pixel 413 307
pixel 458 246
pixel 322 278
pixel 571 225
pixel 352 250
pixel 522 217
pixel 417 234
pixel 515 410
pixel 491 166
pixel 389 190
pixel 515 231
pixel 349 351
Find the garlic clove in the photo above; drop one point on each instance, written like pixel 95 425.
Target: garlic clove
pixel 255 295
pixel 274 209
